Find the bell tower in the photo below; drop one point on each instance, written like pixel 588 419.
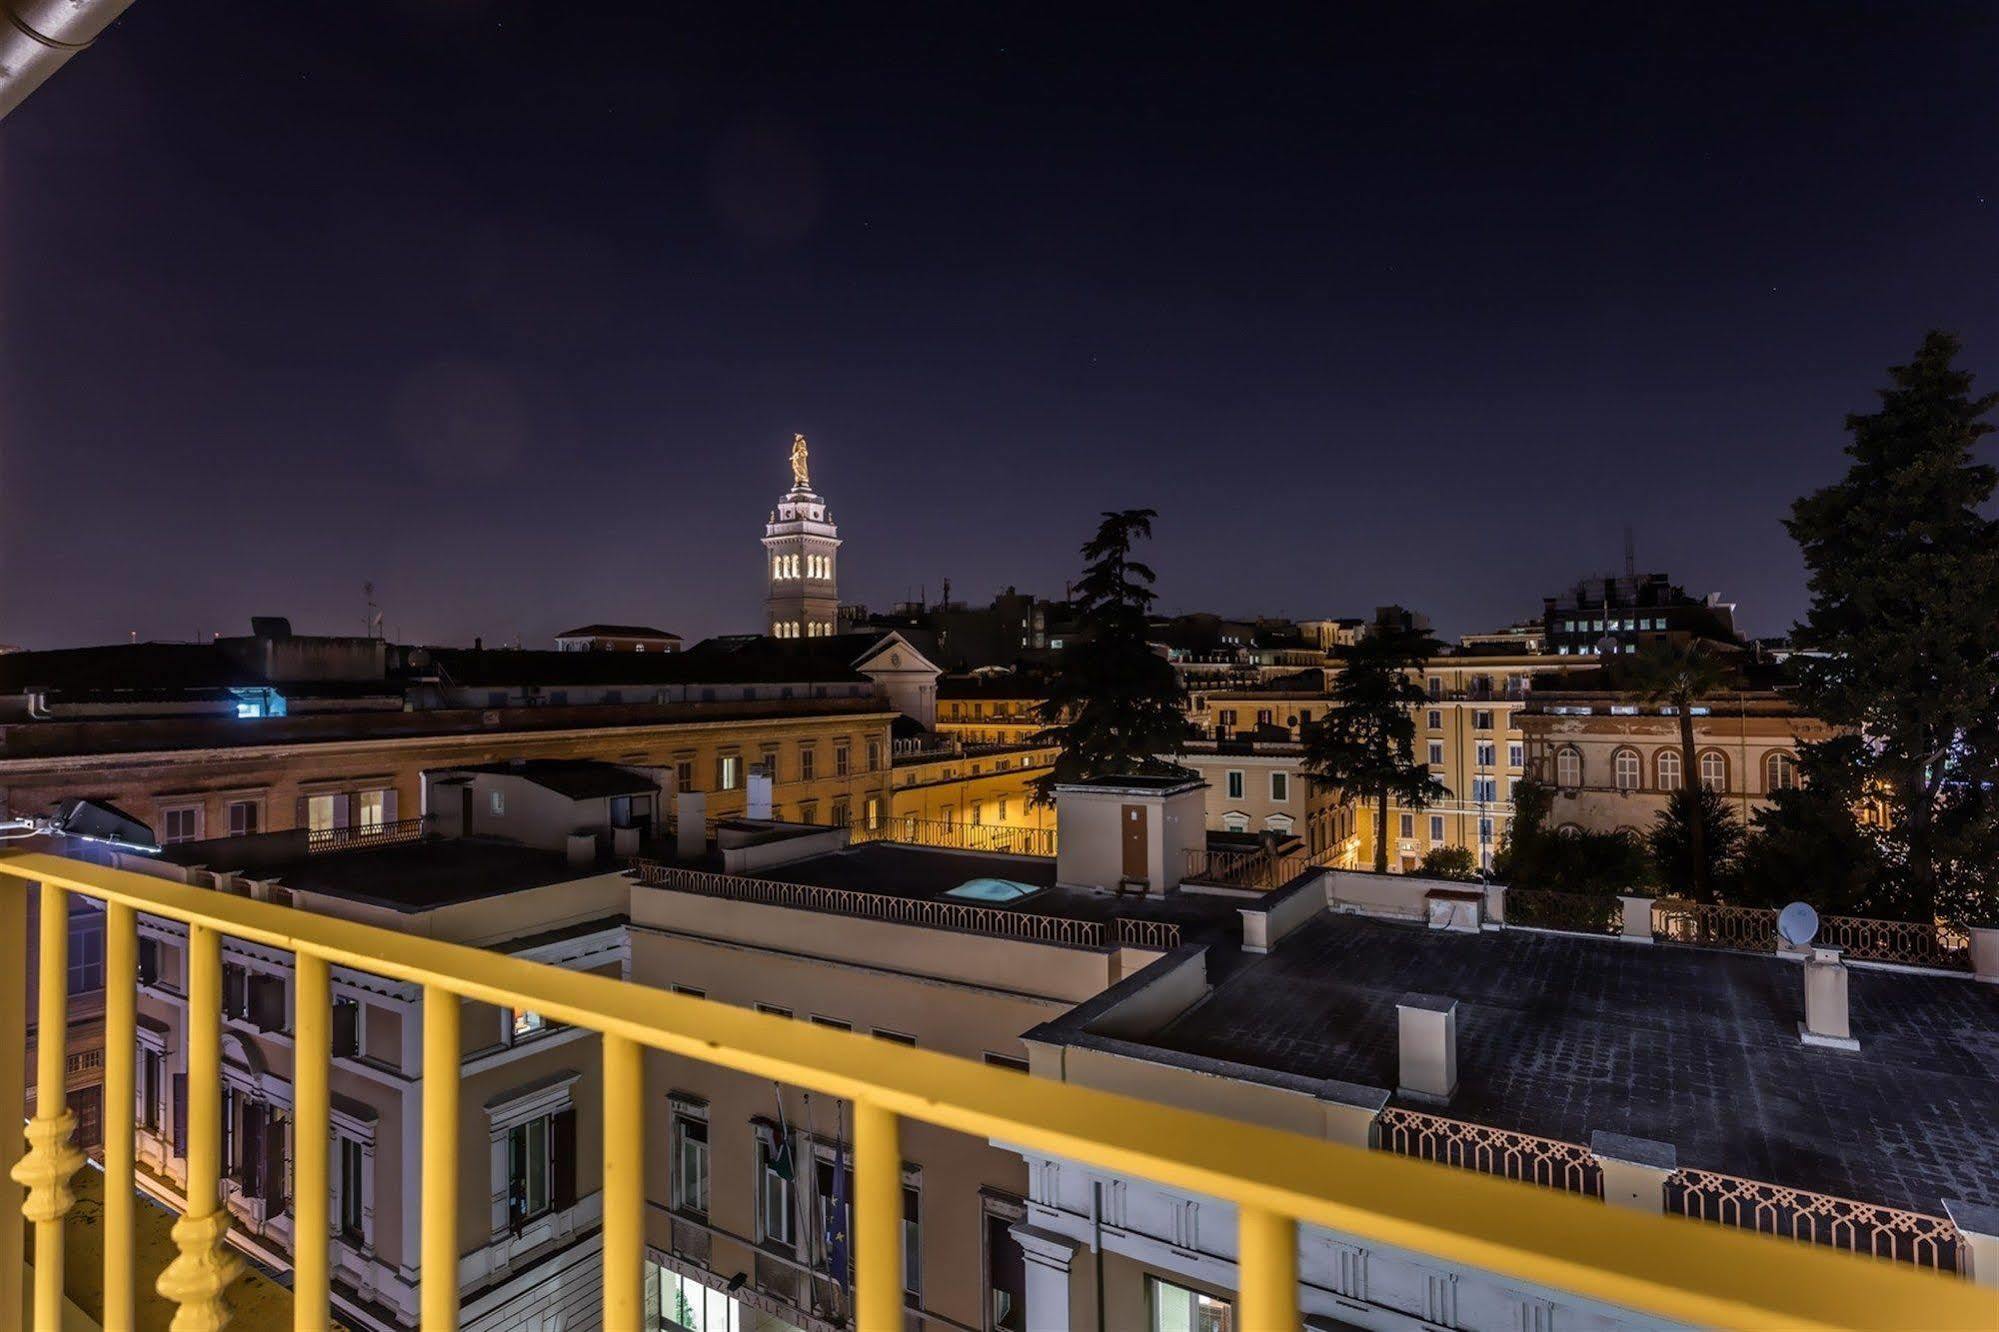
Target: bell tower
pixel 801 558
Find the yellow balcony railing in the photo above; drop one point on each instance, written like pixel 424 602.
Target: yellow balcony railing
pixel 1671 1267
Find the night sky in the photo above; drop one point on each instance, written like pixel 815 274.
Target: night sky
pixel 513 308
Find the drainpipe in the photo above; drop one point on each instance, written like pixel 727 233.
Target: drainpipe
pixel 37 37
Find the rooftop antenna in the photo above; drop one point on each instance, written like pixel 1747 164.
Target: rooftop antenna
pixel 372 622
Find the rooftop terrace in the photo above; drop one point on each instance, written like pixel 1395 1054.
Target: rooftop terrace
pixel 1563 1037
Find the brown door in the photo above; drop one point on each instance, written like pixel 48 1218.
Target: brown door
pixel 1134 842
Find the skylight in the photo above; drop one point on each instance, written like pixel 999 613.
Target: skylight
pixel 999 892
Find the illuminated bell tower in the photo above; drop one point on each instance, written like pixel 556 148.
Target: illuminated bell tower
pixel 801 558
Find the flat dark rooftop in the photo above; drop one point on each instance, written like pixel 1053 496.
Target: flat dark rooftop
pixel 577 779
pixel 1562 1037
pixel 408 876
pixel 893 870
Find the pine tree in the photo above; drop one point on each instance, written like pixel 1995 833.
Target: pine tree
pixel 1696 843
pixel 1115 706
pixel 1365 747
pixel 1902 639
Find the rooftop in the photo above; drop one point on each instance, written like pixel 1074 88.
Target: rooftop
pixel 578 779
pixel 891 869
pixel 1563 1037
pixel 411 876
pixel 615 631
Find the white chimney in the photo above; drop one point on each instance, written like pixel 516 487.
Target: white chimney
pixel 1429 1038
pixel 690 811
pixel 757 795
pixel 1825 1002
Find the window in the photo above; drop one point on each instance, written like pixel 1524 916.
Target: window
pixel 690 1164
pixel 152 1079
pixel 1408 825
pixel 1516 754
pixel 912 1240
pixel 1235 821
pixel 86 952
pixel 1226 717
pixel 1436 753
pixel 1263 716
pixel 528 1023
pixel 149 960
pixel 808 764
pixel 1174 1308
pixel 1714 770
pixel 820 1020
pixel 893 1037
pixel 370 810
pixel 1568 768
pixel 1780 772
pixel 874 755
pixel 346 1027
pixel 1485 753
pixel 1436 686
pixel 774 1190
pixel 728 771
pixel 685 1303
pixel 352 1195
pixel 1235 785
pixel 497 802
pixel 1280 787
pixel 1670 775
pixel 842 760
pixel 874 813
pixel 1437 828
pixel 1484 790
pixel 242 818
pixel 1011 1062
pixel 1481 719
pixel 181 825
pixel 1627 769
pixel 683 775
pixel 773 1010
pixel 530 1170
pixel 978 811
pixel 1436 719
pixel 1002 809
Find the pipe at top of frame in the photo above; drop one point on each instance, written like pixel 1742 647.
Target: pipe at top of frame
pixel 38 37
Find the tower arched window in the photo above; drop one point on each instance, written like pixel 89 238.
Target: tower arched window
pixel 1627 769
pixel 1568 767
pixel 1714 770
pixel 1780 772
pixel 1670 775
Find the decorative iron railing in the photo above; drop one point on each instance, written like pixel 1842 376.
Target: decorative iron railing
pixel 360 836
pixel 1274 1180
pixel 991 838
pixel 1549 1162
pixel 1134 932
pixel 1815 1218
pixel 1712 925
pixel 923 912
pixel 1585 913
pixel 1909 942
pixel 1243 869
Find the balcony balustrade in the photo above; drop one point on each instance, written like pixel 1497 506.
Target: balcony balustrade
pixel 1682 1272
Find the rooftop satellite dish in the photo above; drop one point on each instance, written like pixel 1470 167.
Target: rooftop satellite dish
pixel 1798 924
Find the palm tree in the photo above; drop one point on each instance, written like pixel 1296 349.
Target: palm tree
pixel 1679 675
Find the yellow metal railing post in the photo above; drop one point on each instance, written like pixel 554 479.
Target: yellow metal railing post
pixel 877 1219
pixel 1267 1271
pixel 624 1182
pixel 198 1279
pixel 13 1096
pixel 52 1158
pixel 442 1058
pixel 312 1131
pixel 121 1036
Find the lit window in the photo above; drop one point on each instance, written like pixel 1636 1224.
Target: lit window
pixel 1569 768
pixel 1627 769
pixel 527 1022
pixel 690 1164
pixel 1172 1308
pixel 774 1186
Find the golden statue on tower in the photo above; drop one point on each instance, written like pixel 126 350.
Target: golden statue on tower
pixel 800 476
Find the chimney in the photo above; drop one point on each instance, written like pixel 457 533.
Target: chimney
pixel 690 811
pixel 1825 1002
pixel 1429 1040
pixel 583 848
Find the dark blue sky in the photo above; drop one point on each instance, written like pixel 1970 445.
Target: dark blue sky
pixel 513 308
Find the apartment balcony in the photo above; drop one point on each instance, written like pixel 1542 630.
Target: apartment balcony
pixel 1273 1181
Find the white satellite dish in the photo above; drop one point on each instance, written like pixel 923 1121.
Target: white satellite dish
pixel 1798 924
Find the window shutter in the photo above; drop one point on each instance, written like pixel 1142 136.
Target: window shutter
pixel 180 1115
pixel 301 814
pixel 562 1152
pixel 343 809
pixel 389 804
